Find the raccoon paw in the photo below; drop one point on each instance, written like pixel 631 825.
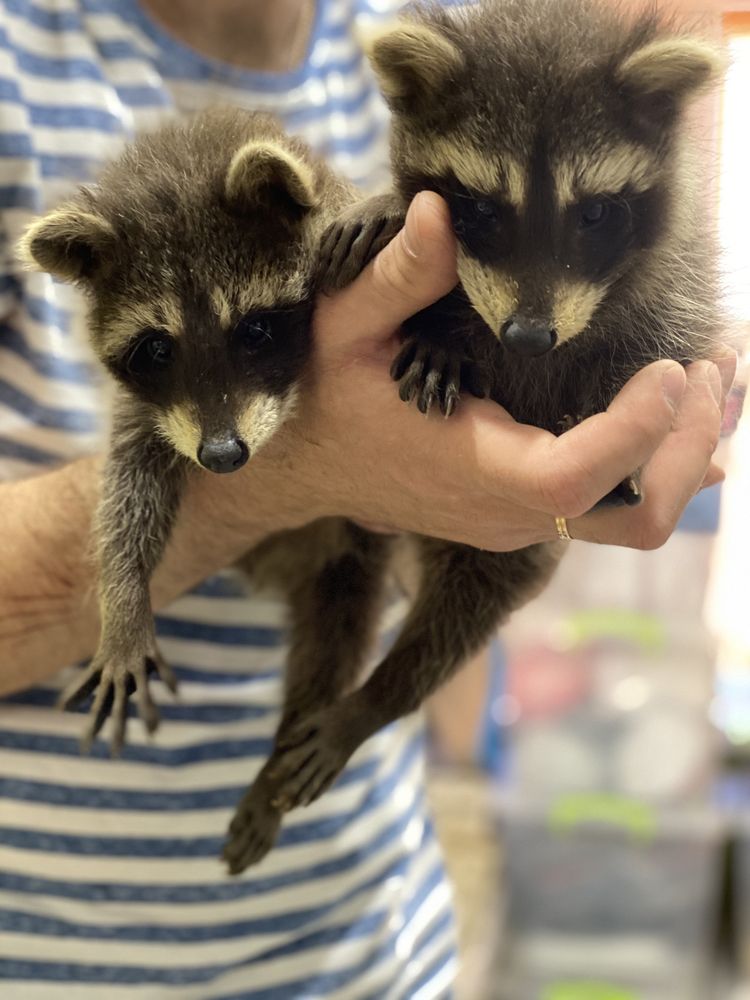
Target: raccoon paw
pixel 253 830
pixel 354 239
pixel 112 682
pixel 628 493
pixel 568 422
pixel 435 375
pixel 308 759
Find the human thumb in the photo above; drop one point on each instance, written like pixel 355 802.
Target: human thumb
pixel 416 269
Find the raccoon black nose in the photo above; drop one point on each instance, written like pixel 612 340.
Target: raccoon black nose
pixel 223 454
pixel 528 337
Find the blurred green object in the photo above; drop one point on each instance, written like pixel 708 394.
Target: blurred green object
pixel 575 809
pixel 586 991
pixel 643 630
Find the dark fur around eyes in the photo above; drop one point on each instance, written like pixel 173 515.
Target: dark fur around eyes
pixel 265 351
pixel 487 236
pixel 273 360
pixel 540 232
pixel 595 250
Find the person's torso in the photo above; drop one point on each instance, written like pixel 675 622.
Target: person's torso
pixel 110 883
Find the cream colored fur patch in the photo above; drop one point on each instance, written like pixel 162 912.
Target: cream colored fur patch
pixel 574 305
pixel 493 294
pixel 222 306
pixel 268 287
pixel 474 168
pixel 262 418
pixel 605 172
pixel 164 313
pixel 179 426
pixel 257 162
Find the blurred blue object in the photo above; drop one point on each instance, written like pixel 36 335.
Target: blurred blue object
pixel 702 513
pixel 492 751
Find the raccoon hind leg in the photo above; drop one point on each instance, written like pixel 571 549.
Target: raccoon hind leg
pixel 465 594
pixel 334 611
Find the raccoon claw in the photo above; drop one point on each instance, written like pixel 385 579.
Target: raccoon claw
pixel 431 375
pixel 568 422
pixel 628 493
pixel 112 684
pixel 353 240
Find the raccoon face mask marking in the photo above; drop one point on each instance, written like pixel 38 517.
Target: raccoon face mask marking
pixel 218 395
pixel 197 261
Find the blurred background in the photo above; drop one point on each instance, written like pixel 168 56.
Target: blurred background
pixel 592 784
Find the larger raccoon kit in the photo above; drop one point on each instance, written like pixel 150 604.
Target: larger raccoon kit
pixel 554 129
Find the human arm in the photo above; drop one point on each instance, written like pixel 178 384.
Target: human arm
pixel 355 450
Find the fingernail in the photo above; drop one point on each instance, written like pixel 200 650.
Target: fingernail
pixel 673 383
pixel 727 369
pixel 410 235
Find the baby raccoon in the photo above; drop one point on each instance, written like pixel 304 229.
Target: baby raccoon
pixel 196 251
pixel 554 129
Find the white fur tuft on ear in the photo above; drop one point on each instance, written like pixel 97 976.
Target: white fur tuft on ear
pixel 68 243
pixel 260 166
pixel 412 60
pixel 678 67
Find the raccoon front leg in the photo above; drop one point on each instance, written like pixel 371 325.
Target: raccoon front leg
pixel 464 596
pixel 333 615
pixel 141 489
pixel 437 360
pixel 356 236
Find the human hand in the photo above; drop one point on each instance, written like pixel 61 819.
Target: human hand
pixel 480 478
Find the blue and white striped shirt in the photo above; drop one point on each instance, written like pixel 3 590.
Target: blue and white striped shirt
pixel 110 882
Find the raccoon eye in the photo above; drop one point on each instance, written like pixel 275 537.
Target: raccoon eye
pixel 153 352
pixel 485 208
pixel 253 331
pixel 594 213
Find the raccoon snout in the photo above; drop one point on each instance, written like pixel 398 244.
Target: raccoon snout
pixel 528 337
pixel 223 454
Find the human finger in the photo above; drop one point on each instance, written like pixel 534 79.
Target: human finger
pixel 416 268
pixel 678 469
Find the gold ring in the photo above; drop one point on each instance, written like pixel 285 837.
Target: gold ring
pixel 561 524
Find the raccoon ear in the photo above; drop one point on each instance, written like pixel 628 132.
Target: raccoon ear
pixel 660 76
pixel 412 61
pixel 71 243
pixel 260 172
